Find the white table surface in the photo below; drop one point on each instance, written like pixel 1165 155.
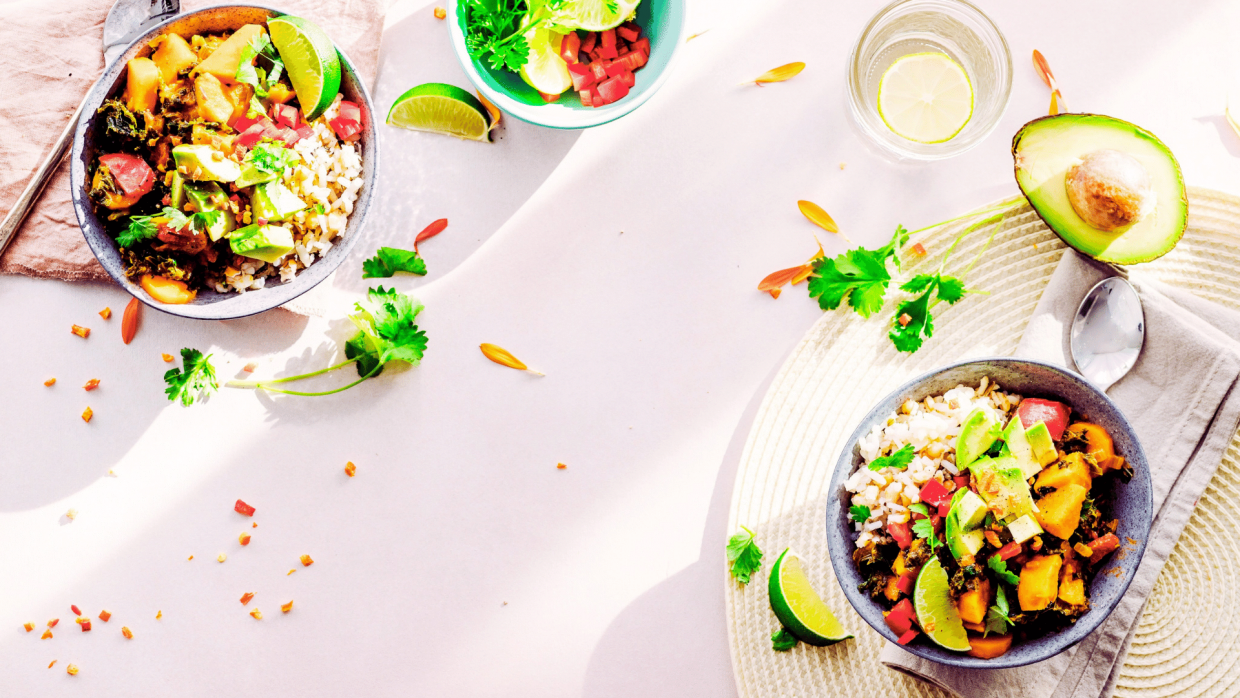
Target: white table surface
pixel 621 261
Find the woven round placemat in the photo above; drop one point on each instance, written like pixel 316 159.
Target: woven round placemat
pixel 1187 642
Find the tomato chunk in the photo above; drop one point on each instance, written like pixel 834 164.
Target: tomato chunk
pixel 1054 414
pixel 629 31
pixel 642 45
pixel 351 111
pixel 569 47
pixel 582 76
pixel 905 584
pixel 901 533
pixel 131 173
pixel 1102 547
pixel 934 493
pixel 907 637
pixel 1010 550
pixel 588 43
pixel 901 617
pixel 613 90
pixel 242 508
pixel 346 129
pixel 285 115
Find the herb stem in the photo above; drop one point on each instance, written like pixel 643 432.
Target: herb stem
pixel 263 386
pixel 992 209
pixel 288 379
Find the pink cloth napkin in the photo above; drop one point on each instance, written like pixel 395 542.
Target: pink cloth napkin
pixel 60 57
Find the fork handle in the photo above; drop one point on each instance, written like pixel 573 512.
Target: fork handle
pixel 25 202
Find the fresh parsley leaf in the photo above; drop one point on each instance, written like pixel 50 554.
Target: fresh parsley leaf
pixel 925 529
pixel 908 337
pixel 920 509
pixel 859 513
pixel 861 275
pixel 744 554
pixel 251 74
pixel 999 566
pixel 203 220
pixel 782 640
pixel 140 228
pixel 389 260
pixel 997 620
pixel 320 209
pixel 899 459
pixel 951 289
pixel 272 158
pixel 386 331
pixel 197 380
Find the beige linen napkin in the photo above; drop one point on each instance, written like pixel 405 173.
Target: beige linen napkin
pixel 1183 401
pixel 54 53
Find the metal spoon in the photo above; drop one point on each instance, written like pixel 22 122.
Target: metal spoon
pixel 1108 332
pixel 127 20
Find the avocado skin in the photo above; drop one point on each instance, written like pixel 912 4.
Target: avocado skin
pixel 1183 193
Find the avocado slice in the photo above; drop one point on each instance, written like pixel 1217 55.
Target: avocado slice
pixel 1047 152
pixel 1023 528
pixel 966 514
pixel 1002 485
pixel 981 429
pixel 274 202
pixel 1040 441
pixel 251 175
pixel 209 196
pixel 1018 446
pixel 176 190
pixel 263 242
pixel 202 163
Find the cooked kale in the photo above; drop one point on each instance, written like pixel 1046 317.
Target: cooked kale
pixel 117 130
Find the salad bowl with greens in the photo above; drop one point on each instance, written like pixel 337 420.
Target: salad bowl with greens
pixel 567 63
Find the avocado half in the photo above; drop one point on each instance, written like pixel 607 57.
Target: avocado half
pixel 1045 149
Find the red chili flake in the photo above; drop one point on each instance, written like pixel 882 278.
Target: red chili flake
pixel 127 633
pixel 168 358
pixel 440 13
pixel 106 313
pixel 105 616
pixel 286 607
pixel 191 557
pixel 306 561
pixel 87 414
pixel 561 466
pixel 47 635
pixel 244 539
pixel 918 250
pixel 80 331
pixel 243 508
pixel 254 525
pixel 257 614
pixel 245 598
pixel 52 623
pixel 75 610
pixel 86 627
pixel 49 382
pixel 28 626
pixel 91 384
pixel 350 469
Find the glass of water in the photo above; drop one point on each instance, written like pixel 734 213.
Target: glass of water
pixel 954 28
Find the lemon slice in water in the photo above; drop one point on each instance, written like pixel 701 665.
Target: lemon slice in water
pixel 925 97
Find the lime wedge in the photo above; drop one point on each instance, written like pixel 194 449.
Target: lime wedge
pixel 936 612
pixel 799 607
pixel 925 97
pixel 545 70
pixel 441 108
pixel 593 15
pixel 311 61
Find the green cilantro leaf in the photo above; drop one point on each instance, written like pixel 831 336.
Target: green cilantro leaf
pixel 140 228
pixel 925 529
pixel 951 289
pixel 997 620
pixel 389 260
pixel 782 640
pixel 744 554
pixel 197 380
pixel 920 509
pixel 899 459
pixel 272 158
pixel 861 275
pixel 386 331
pixel 859 513
pixel 999 566
pixel 909 334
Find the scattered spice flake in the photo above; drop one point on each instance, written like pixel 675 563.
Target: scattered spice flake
pixel 127 633
pixel 111 473
pixel 28 626
pixel 430 231
pixel 72 513
pixel 694 36
pixel 244 509
pixel 245 598
pixel 49 666
pixel 286 607
pixel 129 321
pixel 80 331
pixel 780 74
pixel 167 358
pixel 905 319
pixel 106 313
pixel 91 384
pixel 440 13
pixel 249 368
pixel 75 610
pixel 918 250
pixel 503 357
pixel 818 216
pixel 221 557
pixel 159 614
pixel 72 670
pixel 47 634
pixel 290 572
pixel 350 469
pixel 495 113
pixel 257 614
pixel 87 414
pixel 306 561
pixel 561 466
pixel 52 623
pixel 254 524
pixel 843 165
pixel 244 538
pixel 49 382
pixel 191 557
pixel 86 626
pixel 79 621
pixel 105 616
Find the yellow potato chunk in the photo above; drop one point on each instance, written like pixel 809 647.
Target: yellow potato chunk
pixel 1059 512
pixel 173 56
pixel 223 61
pixel 213 104
pixel 142 84
pixel 1039 582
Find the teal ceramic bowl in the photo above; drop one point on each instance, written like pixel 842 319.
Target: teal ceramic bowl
pixel 662 21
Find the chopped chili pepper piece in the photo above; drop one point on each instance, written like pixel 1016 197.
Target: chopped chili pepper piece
pixel 86 627
pixel 168 358
pixel 49 382
pixel 257 614
pixel 127 633
pixel 306 560
pixel 244 509
pixel 75 610
pixel 47 635
pixel 49 666
pixel 91 384
pixel 106 313
pixel 350 469
pixel 919 250
pixel 28 626
pixel 561 466
pixel 159 614
pixel 80 331
pixel 287 606
pixel 440 13
pixel 79 621
pixel 907 637
pixel 191 557
pixel 290 572
pixel 105 616
pixel 72 670
pixel 244 539
pixel 254 524
pixel 87 414
pixel 245 598
pixel 52 623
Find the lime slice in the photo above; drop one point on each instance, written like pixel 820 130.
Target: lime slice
pixel 799 607
pixel 925 97
pixel 311 61
pixel 936 612
pixel 441 108
pixel 593 15
pixel 545 70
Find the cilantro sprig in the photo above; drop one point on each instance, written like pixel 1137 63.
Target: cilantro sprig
pixel 999 566
pixel 255 76
pixel 272 158
pixel 898 459
pixel 495 30
pixel 924 528
pixel 860 275
pixel 782 640
pixel 389 260
pixel 744 555
pixel 195 380
pixel 859 513
pixel 997 620
pixel 145 227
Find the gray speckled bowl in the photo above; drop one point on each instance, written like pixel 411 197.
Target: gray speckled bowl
pixel 1133 502
pixel 210 305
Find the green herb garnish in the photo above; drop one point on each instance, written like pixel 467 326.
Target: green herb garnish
pixel 389 260
pixel 898 459
pixel 495 30
pixel 920 509
pixel 197 380
pixel 924 528
pixel 999 566
pixel 859 513
pixel 782 640
pixel 997 620
pixel 861 275
pixel 744 554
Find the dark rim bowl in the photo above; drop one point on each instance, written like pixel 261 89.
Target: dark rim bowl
pixel 1132 502
pixel 210 304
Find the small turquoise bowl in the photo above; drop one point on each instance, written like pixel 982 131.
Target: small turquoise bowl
pixel 662 21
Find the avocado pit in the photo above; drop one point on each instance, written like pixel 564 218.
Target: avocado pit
pixel 1110 190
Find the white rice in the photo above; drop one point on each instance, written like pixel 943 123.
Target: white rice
pixel 329 175
pixel 932 426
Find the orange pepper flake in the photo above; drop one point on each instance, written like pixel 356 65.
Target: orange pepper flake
pixel 191 557
pixel 79 621
pixel 561 466
pixel 249 368
pixel 105 616
pixel 106 313
pixel 87 414
pixel 290 572
pixel 440 13
pixel 256 614
pixel 72 670
pixel 350 469
pixel 159 615
pixel 127 633
pixel 91 384
pixel 52 623
pixel 168 358
pixel 904 319
pixel 287 606
pixel 80 331
pixel 775 292
pixel 245 598
pixel 49 382
pixel 222 557
pixel 244 539
pixel 49 666
pixel 76 611
pixel 918 250
pixel 28 626
pixel 254 525
pixel 47 634
pixel 86 626
pixel 306 561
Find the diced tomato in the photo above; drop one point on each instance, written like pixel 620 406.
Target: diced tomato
pixel 582 76
pixel 907 637
pixel 629 31
pixel 1009 551
pixel 901 533
pixel 75 610
pixel 1054 414
pixel 936 521
pixel 243 122
pixel 352 112
pixel 962 481
pixel 285 115
pixel 549 98
pixel 242 508
pixel 934 493
pixel 905 584
pixel 304 131
pixel 607 39
pixel 642 45
pixel 569 47
pixel 615 68
pixel 588 43
pixel 131 173
pixel 901 617
pixel 621 50
pixel 599 69
pixel 346 129
pixel 86 627
pixel 944 508
pixel 596 99
pixel 586 99
pixel 251 135
pixel 613 90
pixel 1102 547
pixel 607 52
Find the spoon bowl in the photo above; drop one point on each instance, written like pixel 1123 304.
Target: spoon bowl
pixel 1108 332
